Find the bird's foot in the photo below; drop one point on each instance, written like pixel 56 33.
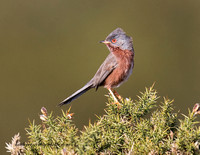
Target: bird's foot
pixel 117 94
pixel 118 104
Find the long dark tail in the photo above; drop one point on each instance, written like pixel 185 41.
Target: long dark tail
pixel 78 93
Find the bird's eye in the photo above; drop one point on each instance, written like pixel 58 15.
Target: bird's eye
pixel 114 40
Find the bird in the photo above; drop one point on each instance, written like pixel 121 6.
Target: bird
pixel 116 68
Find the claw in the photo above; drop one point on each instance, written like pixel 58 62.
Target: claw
pixel 118 104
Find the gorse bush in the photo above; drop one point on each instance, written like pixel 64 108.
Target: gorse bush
pixel 130 127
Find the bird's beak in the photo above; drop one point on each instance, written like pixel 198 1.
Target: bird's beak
pixel 105 42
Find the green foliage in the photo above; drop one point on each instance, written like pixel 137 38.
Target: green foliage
pixel 129 127
pixel 52 135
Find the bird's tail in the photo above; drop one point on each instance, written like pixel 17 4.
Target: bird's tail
pixel 78 93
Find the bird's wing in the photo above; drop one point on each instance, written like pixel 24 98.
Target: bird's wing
pixel 104 70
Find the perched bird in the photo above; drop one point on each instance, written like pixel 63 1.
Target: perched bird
pixel 116 68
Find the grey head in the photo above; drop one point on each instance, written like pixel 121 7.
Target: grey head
pixel 118 38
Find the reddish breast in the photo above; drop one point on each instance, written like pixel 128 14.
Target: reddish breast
pixel 124 69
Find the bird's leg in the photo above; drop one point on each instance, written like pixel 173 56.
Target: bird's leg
pixel 115 99
pixel 116 94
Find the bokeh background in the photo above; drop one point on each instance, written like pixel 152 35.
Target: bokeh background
pixel 49 49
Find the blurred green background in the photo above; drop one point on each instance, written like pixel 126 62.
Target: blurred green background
pixel 49 49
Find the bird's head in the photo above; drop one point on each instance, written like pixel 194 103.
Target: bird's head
pixel 118 39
